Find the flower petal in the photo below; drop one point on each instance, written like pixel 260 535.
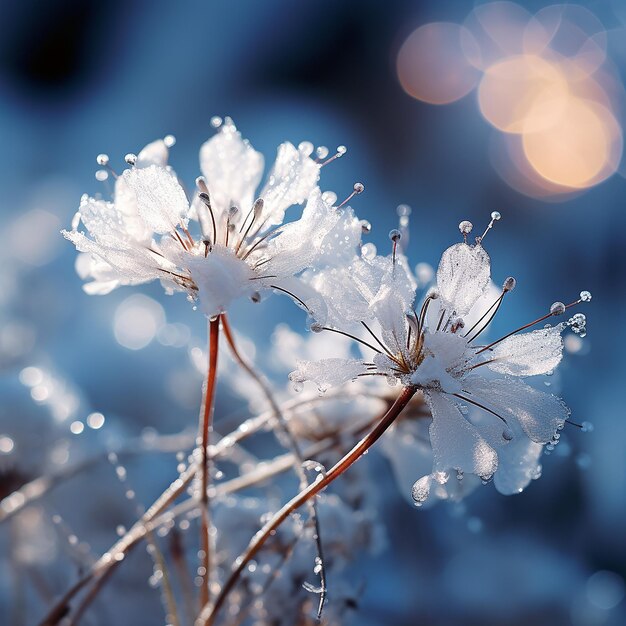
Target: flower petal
pixel 124 266
pixel 232 168
pixel 456 443
pixel 540 414
pixel 301 293
pixel 528 354
pixel 292 178
pixel 462 276
pixel 327 373
pixel 161 201
pixel 518 456
pixel 155 153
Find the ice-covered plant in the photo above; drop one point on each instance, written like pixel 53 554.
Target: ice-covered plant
pixel 229 241
pixel 438 352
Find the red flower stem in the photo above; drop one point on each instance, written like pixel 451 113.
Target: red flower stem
pixel 210 610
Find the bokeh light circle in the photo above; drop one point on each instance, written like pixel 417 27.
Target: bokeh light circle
pixel 432 65
pixel 522 93
pixel 582 148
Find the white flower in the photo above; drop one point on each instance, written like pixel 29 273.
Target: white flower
pixel 244 248
pixel 435 351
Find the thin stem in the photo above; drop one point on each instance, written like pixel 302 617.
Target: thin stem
pixel 290 443
pixel 177 552
pixel 209 612
pixel 155 516
pixel 378 341
pixel 484 315
pixel 480 406
pixel 109 560
pixel 206 418
pixel 517 330
pixel 355 338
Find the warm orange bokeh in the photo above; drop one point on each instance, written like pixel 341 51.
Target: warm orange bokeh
pixel 545 84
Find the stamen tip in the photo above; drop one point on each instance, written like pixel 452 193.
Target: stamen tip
pixel 509 284
pixel 557 308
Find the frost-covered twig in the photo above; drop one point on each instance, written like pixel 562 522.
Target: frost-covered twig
pixel 209 612
pixel 109 560
pixel 287 438
pixel 37 488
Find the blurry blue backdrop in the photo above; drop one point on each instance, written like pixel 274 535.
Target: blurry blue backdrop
pixel 80 78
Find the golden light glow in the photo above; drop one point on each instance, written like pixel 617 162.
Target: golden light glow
pixel 543 81
pixel 522 93
pixel 579 149
pixel 432 66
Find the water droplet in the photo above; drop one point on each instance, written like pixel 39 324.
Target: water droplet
pixel 102 159
pixel 358 188
pixel 321 152
pixel 130 158
pixel 507 434
pixel 102 175
pixel 509 284
pixel 306 147
pixel 465 227
pixel 366 227
pixel 368 251
pixel 395 235
pixel 557 308
pixel 495 215
pixel 421 490
pixel 216 121
pixel 169 140
pixel 585 296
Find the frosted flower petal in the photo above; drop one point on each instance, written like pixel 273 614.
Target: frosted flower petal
pixel 540 414
pixel 327 373
pixel 161 201
pixel 155 153
pixel 292 178
pixel 462 276
pixel 528 354
pixel 456 443
pixel 232 168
